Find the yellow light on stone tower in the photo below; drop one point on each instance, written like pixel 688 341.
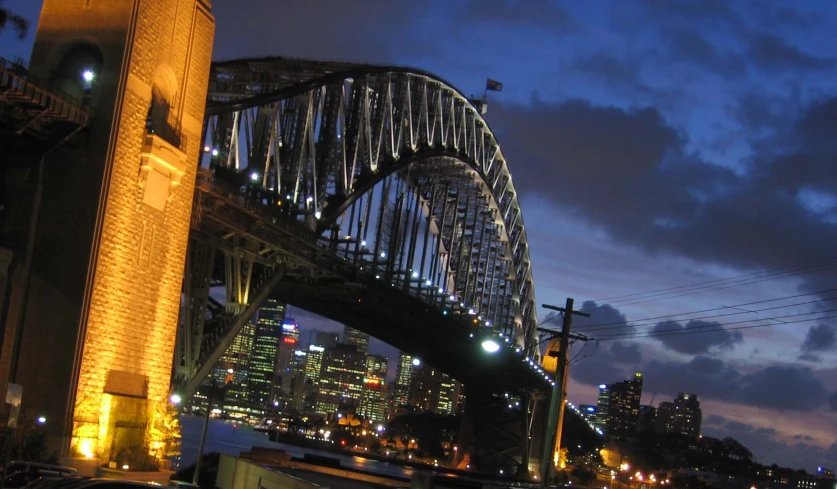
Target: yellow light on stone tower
pixel 142 67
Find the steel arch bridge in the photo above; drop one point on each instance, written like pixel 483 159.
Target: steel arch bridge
pixel 375 196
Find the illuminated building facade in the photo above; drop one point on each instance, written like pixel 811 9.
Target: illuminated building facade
pixel 683 416
pixel 233 369
pixel 602 406
pixel 432 390
pixel 263 359
pixel 403 378
pixel 97 316
pixel 341 379
pixel 373 402
pixel 623 406
pixel 285 362
pixel 356 337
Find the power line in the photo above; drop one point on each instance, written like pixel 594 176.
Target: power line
pixel 719 327
pixel 718 284
pixel 673 317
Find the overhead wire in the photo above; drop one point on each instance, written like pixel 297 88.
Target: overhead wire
pixel 720 327
pixel 719 284
pixel 675 317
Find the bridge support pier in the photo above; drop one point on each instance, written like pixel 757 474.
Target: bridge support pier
pixel 97 327
pixel 493 437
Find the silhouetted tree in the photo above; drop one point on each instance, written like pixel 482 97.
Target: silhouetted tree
pixel 18 23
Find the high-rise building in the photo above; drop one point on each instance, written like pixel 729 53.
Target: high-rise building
pixel 373 404
pixel 623 406
pixel 683 416
pixel 285 361
pixel 432 390
pixel 647 419
pixel 588 411
pixel 403 378
pixel 602 405
pixel 664 418
pixel 263 358
pixel 355 337
pixel 341 379
pixel 232 370
pixel 326 339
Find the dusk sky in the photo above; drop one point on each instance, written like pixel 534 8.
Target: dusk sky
pixel 655 144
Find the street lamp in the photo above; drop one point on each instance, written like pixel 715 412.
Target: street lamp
pixel 490 346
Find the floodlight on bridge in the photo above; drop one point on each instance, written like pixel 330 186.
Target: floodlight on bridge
pixel 490 346
pixel 88 75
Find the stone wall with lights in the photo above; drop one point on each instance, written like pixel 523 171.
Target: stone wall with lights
pixel 100 327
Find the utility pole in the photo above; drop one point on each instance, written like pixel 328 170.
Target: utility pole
pixel 555 418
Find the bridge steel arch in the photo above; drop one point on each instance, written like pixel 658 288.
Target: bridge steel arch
pixel 299 152
pixel 341 128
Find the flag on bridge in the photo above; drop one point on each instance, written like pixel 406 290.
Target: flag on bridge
pixel 493 85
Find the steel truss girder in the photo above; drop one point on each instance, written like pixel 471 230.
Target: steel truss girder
pixel 338 134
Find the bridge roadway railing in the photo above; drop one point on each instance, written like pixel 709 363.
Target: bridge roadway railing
pixel 243 209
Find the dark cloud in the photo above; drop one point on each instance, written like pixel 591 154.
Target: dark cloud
pixel 327 29
pixel 780 387
pixel 832 401
pixel 798 455
pixel 628 353
pixel 803 437
pixel 628 172
pixel 820 338
pixel 772 387
pixel 603 314
pixel 524 13
pixel 695 337
pixel 773 53
pixel 716 419
pixel 735 426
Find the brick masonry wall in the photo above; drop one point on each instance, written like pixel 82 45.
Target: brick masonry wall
pixel 137 268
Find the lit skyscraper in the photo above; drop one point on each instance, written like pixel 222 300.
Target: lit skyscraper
pixel 285 361
pixel 623 406
pixel 233 368
pixel 373 397
pixel 431 390
pixel 341 378
pixel 683 416
pixel 355 337
pixel 403 378
pixel 602 405
pixel 268 332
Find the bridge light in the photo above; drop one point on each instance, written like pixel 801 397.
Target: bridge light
pixel 41 419
pixel 254 177
pixel 363 242
pixel 88 75
pixel 428 282
pixel 175 399
pixel 383 255
pixel 490 346
pixel 415 274
pixel 207 149
pixel 214 152
pixel 416 362
pixel 317 215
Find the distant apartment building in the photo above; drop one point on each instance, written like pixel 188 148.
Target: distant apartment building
pixel 357 338
pixel 647 419
pixel 618 406
pixel 683 416
pixel 432 390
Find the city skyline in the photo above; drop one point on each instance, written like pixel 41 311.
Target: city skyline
pixel 676 144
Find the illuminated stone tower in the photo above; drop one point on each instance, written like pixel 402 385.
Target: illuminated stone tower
pixel 97 332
